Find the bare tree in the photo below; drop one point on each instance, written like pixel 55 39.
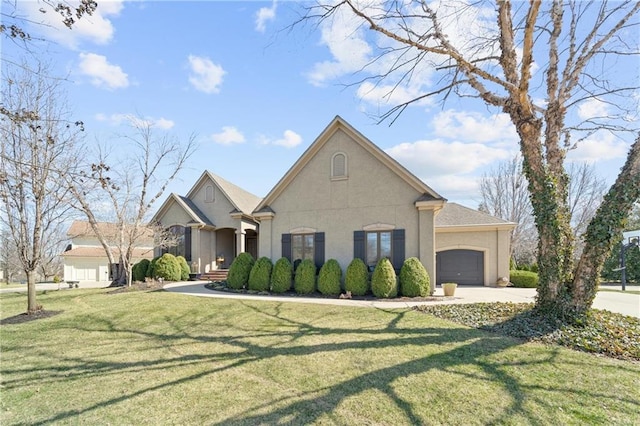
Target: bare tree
pixel 132 186
pixel 37 151
pixel 492 60
pixel 13 24
pixel 9 262
pixel 504 194
pixel 52 264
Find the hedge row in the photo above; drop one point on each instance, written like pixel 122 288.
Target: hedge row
pixel 523 279
pixel 262 276
pixel 168 267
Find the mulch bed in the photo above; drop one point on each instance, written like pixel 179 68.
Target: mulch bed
pixel 369 297
pixel 25 317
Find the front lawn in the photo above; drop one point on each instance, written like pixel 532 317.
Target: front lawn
pixel 161 358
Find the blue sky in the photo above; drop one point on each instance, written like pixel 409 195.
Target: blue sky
pixel 257 93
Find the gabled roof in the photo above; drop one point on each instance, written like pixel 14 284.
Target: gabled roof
pixel 243 201
pixel 138 253
pixel 338 123
pixel 188 206
pixel 456 215
pixel 82 228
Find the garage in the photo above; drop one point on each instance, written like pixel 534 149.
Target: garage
pixel 465 267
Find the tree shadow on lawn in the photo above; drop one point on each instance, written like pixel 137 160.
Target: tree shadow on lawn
pixel 473 348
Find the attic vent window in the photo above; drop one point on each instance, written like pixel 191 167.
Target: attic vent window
pixel 339 166
pixel 209 195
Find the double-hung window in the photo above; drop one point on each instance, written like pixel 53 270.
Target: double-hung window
pixel 378 246
pixel 302 246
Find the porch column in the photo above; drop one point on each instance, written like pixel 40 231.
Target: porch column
pixel 264 237
pixel 427 211
pixel 427 242
pixel 240 239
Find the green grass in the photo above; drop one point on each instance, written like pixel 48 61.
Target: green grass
pixel 163 358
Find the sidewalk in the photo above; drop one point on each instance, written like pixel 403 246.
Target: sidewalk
pixel 623 303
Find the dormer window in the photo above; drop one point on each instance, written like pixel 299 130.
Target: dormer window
pixel 339 166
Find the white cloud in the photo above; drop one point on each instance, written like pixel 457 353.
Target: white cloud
pixel 102 73
pixel 229 136
pixel 289 139
pixel 343 35
pixel 599 147
pixel 133 119
pixel 96 28
pixel 592 108
pixel 475 127
pixel 408 73
pixel 205 75
pixel 431 158
pixel 264 15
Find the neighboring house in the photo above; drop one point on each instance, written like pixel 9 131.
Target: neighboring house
pixel 85 259
pixel 343 198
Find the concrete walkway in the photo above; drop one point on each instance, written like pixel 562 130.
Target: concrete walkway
pixel 623 303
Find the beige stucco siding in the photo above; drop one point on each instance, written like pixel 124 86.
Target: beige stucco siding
pixel 175 215
pixel 371 194
pixel 218 210
pixel 494 243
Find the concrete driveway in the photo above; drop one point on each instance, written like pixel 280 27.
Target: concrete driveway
pixel 623 303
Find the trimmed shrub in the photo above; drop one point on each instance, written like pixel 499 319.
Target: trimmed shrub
pixel 168 268
pixel 260 275
pixel 357 278
pixel 305 281
pixel 281 276
pixel 524 279
pixel 414 279
pixel 184 268
pixel 239 271
pixel 151 269
pixel 329 278
pixel 139 270
pixel 383 281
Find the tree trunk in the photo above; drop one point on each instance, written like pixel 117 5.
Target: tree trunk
pixel 607 224
pixel 32 306
pixel 552 224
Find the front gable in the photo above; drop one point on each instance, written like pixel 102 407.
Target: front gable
pixel 367 173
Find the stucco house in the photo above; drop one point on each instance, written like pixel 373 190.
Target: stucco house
pixel 85 259
pixel 343 198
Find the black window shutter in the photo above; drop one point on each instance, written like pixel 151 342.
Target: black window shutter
pixel 318 244
pixel 358 245
pixel 286 246
pixel 187 243
pixel 397 248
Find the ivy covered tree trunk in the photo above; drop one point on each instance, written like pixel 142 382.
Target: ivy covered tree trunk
pixel 604 229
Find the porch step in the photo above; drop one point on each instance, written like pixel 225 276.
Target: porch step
pixel 216 275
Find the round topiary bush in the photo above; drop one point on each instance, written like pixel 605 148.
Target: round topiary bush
pixel 357 278
pixel 305 281
pixel 139 270
pixel 239 271
pixel 281 276
pixel 168 268
pixel 524 279
pixel 184 268
pixel 414 279
pixel 151 269
pixel 329 278
pixel 383 282
pixel 260 275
